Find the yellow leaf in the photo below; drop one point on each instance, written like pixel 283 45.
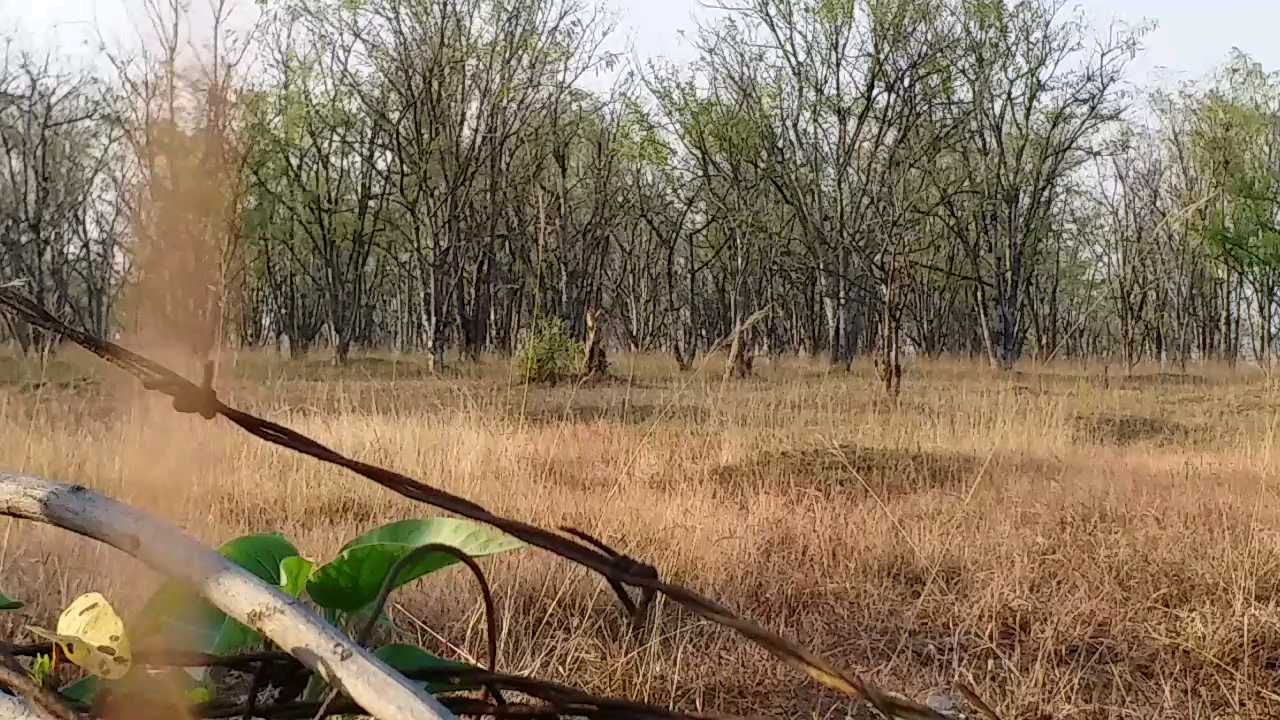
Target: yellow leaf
pixel 92 636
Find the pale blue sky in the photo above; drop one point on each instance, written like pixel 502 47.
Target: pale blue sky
pixel 1192 37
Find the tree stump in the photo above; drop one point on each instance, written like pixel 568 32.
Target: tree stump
pixel 740 359
pixel 595 363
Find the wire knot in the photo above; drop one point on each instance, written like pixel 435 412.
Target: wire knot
pixel 189 398
pixel 634 567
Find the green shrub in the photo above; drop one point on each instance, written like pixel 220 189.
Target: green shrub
pixel 549 353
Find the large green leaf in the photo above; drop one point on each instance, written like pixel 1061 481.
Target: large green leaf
pixel 8 604
pixel 410 658
pixel 188 621
pixel 83 690
pixel 260 554
pixel 164 686
pixel 294 573
pixel 352 580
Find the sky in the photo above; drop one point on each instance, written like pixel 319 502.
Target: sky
pixel 1192 36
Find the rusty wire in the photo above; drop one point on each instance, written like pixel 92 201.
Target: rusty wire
pixel 617 569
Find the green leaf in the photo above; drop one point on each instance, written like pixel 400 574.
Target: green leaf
pixel 294 573
pixel 352 580
pixel 188 621
pixel 199 695
pixel 835 12
pixel 7 604
pixel 232 637
pixel 82 691
pixel 41 668
pixel 162 686
pixel 260 554
pixel 409 658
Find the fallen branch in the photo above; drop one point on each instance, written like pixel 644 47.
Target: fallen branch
pixel 321 647
pixel 16 707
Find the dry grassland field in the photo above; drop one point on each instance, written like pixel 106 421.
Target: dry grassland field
pixel 1072 547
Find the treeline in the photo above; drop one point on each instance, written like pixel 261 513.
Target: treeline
pixel 937 176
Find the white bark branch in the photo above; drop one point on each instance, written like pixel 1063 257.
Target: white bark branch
pixel 16 708
pixel 381 691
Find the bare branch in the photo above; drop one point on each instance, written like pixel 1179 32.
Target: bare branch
pixel 285 620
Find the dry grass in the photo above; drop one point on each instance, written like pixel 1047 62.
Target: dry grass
pixel 1072 547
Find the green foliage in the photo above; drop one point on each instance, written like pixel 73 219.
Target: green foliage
pixel 409 658
pixel 83 690
pixel 294 573
pixel 638 140
pixel 41 669
pixel 989 15
pixel 186 620
pixel 343 588
pixel 197 695
pixel 549 353
pixel 1233 143
pixel 730 130
pixel 352 580
pixel 158 685
pixel 260 554
pixel 834 12
pixel 719 127
pixel 8 603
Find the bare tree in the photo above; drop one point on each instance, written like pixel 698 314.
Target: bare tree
pixel 60 190
pixel 1040 92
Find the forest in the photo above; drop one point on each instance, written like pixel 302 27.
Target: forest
pixel 892 177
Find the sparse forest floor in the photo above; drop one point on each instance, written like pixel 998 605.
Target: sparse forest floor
pixel 1072 548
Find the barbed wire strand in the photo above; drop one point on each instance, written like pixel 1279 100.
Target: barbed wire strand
pixel 189 398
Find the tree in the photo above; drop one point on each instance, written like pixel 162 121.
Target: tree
pixel 1038 95
pixel 319 161
pixel 1237 142
pixel 61 191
